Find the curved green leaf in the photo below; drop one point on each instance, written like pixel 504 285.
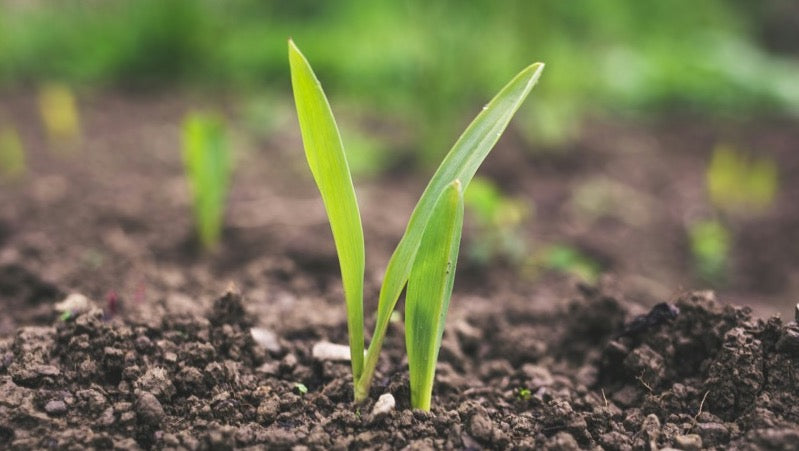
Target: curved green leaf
pixel 429 291
pixel 461 163
pixel 325 154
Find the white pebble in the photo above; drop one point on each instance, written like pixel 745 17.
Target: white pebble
pixel 385 404
pixel 74 303
pixel 325 350
pixel 266 338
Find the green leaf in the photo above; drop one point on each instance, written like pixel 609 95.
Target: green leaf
pixel 461 163
pixel 207 164
pixel 429 290
pixel 12 154
pixel 325 154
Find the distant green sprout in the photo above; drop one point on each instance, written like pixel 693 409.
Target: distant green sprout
pixel 737 183
pixel 208 166
pixel 12 154
pixel 524 394
pixel 568 259
pixel 59 112
pixel 498 220
pixel 301 388
pixel 710 246
pixel 426 256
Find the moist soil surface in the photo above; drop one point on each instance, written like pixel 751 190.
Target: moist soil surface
pixel 692 374
pixel 172 347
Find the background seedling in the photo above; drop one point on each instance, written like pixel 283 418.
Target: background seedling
pixel 740 184
pixel 498 220
pixel 434 225
pixel 568 259
pixel 208 166
pixel 710 247
pixel 59 112
pixel 12 154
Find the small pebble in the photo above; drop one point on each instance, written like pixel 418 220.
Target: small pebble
pixel 481 427
pixel 688 442
pixel 149 409
pixel 714 432
pixel 324 350
pixel 651 427
pixel 385 404
pixel 55 407
pixel 266 338
pixel 75 303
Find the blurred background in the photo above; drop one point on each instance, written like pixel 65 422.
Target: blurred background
pixel 659 146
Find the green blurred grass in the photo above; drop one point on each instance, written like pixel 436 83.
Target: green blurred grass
pixel 427 64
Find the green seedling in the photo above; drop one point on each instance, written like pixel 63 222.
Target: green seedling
pixel 426 255
pixel 498 219
pixel 570 260
pixel 12 154
pixel 524 394
pixel 59 113
pixel 710 246
pixel 208 166
pixel 737 183
pixel 301 388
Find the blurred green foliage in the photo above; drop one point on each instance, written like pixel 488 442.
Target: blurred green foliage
pixel 208 166
pixel 737 183
pixel 439 59
pixel 58 109
pixel 710 245
pixel 570 260
pixel 498 220
pixel 12 154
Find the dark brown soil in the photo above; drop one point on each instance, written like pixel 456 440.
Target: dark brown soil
pixel 160 361
pixel 587 375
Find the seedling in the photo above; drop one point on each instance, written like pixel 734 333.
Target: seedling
pixel 208 166
pixel 427 253
pixel 567 259
pixel 498 220
pixel 737 183
pixel 12 154
pixel 301 388
pixel 59 112
pixel 710 246
pixel 524 394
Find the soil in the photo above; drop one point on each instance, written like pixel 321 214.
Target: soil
pixel 585 376
pixel 158 359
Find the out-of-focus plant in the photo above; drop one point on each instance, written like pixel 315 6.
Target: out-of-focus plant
pixel 643 56
pixel 710 246
pixel 603 197
pixel 427 254
pixel 498 221
pixel 12 153
pixel 208 166
pixel 569 260
pixel 740 184
pixel 59 112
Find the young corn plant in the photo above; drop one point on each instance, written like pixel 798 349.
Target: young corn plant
pixel 208 166
pixel 426 255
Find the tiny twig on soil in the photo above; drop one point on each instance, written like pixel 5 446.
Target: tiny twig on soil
pixel 641 380
pixel 604 398
pixel 701 405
